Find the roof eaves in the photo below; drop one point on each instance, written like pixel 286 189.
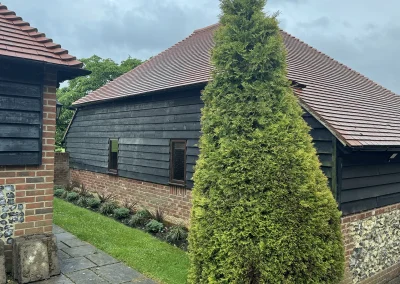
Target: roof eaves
pixel 323 122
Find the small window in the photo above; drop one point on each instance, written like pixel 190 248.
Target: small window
pixel 113 156
pixel 178 162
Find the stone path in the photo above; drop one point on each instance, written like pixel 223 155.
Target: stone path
pixel 82 263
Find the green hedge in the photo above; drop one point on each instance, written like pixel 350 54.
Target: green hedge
pixel 262 209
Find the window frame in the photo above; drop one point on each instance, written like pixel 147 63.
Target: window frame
pixel 171 163
pixel 109 169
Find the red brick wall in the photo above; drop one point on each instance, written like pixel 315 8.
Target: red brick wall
pixel 34 185
pixel 173 201
pixel 61 169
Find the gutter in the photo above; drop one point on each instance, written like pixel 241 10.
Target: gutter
pixel 69 125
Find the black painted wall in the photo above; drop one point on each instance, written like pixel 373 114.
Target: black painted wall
pixel 369 180
pixel 21 105
pixel 144 127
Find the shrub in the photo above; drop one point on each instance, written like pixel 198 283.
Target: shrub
pixel 105 197
pixel 140 218
pixel 72 196
pixel 64 195
pixel 58 192
pixel 130 205
pixel 159 215
pixel 153 226
pixel 75 184
pixel 176 234
pixel 69 187
pixel 82 201
pixel 93 203
pixel 262 209
pixel 121 213
pixel 83 191
pixel 108 207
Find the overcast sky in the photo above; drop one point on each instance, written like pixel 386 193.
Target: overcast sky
pixel 363 34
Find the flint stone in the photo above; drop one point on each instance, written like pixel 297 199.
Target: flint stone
pixel 9 188
pixel 35 258
pixel 2 264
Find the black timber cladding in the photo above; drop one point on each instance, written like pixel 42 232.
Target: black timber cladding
pixel 21 108
pixel 144 127
pixel 369 180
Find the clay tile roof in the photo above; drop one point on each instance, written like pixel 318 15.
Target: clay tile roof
pixel 19 39
pixel 359 112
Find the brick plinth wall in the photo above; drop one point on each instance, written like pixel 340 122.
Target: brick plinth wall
pixel 34 184
pixel 173 201
pixel 61 169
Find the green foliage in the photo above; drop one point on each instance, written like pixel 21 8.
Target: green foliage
pixel 83 191
pixel 153 226
pixel 82 201
pixel 72 196
pixel 262 210
pixel 140 218
pixel 159 215
pixel 58 192
pixel 93 203
pixel 108 208
pixel 105 197
pixel 176 234
pixel 130 205
pixel 121 213
pixel 103 71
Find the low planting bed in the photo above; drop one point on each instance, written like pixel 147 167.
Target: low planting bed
pixel 137 248
pixel 128 214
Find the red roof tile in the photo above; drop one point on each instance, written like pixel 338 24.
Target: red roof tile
pixel 355 109
pixel 19 39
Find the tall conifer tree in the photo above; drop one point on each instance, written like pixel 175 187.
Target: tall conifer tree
pixel 262 209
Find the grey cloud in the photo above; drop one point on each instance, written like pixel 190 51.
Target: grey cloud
pixel 372 53
pixel 365 35
pixel 322 22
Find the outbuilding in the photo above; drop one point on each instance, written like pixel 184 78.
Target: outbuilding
pixel 137 137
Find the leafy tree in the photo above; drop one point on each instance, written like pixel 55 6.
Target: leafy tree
pixel 103 71
pixel 262 210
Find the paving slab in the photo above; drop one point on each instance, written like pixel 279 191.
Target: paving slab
pixel 62 279
pixel 101 259
pixel 61 245
pixel 82 263
pixel 80 251
pixel 75 264
pixel 86 277
pixel 64 236
pixel 63 255
pixel 58 230
pixel 117 273
pixel 75 242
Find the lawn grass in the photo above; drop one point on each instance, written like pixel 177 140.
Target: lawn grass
pixel 137 249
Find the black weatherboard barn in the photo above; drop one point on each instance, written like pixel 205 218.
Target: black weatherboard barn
pixel 145 125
